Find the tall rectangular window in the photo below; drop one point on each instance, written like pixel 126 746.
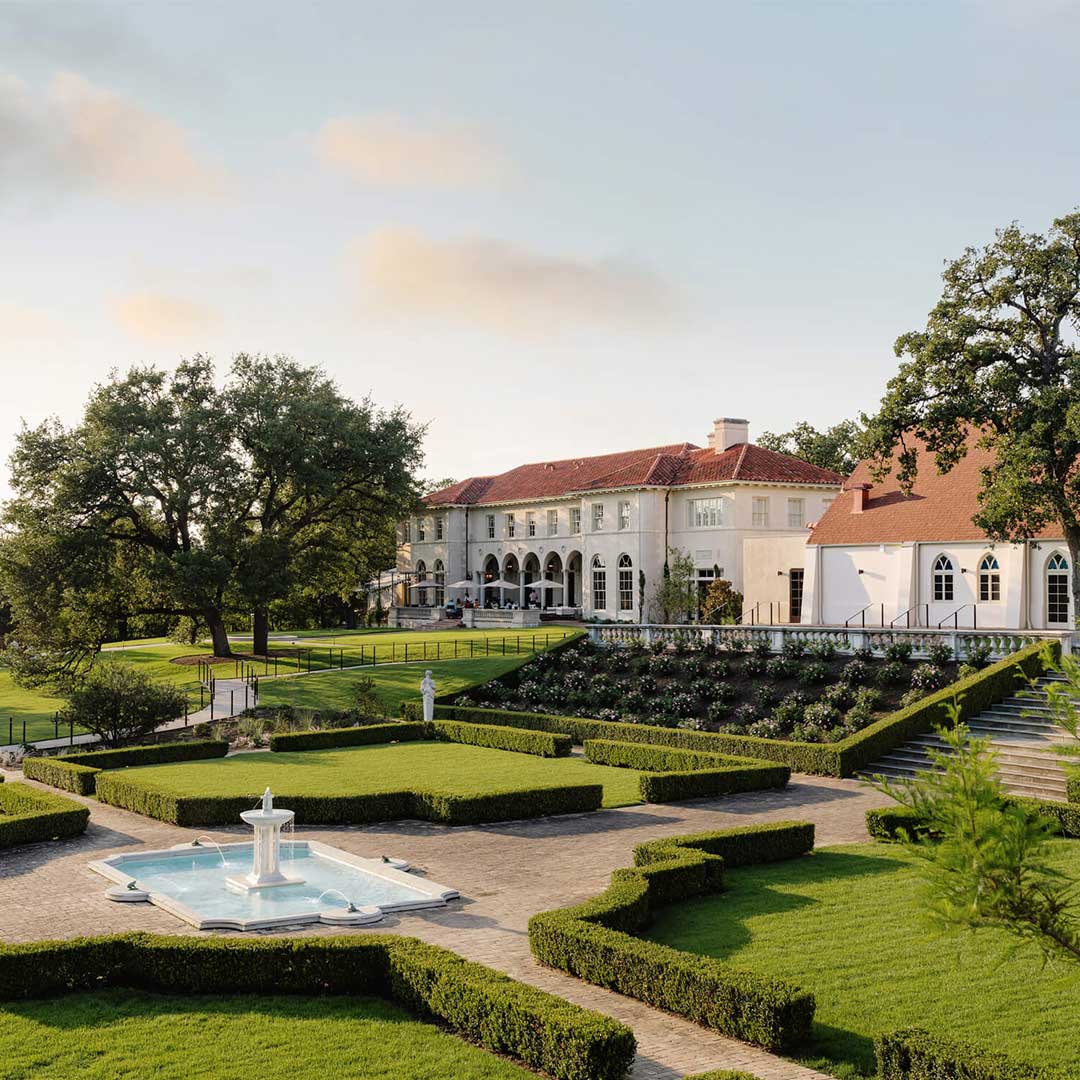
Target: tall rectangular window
pixel 510 524
pixel 599 585
pixel 626 584
pixel 624 515
pixel 439 528
pixel 421 534
pixel 597 517
pixel 796 513
pixel 491 526
pixel 530 522
pixel 761 512
pixel 575 520
pixel 705 513
pixel 406 532
pixel 553 523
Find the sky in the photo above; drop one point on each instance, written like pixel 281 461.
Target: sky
pixel 547 230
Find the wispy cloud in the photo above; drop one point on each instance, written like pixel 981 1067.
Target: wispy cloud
pixel 152 317
pixel 510 288
pixel 77 135
pixel 388 151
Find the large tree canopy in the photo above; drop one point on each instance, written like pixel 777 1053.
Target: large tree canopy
pixel 999 361
pixel 834 448
pixel 178 497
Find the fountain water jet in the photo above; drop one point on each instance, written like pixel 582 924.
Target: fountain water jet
pixel 266 863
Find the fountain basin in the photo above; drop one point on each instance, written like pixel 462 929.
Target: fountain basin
pixel 192 883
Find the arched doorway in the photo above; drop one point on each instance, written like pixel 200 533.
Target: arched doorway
pixel 1057 590
pixel 421 574
pixel 530 569
pixel 511 573
pixel 573 579
pixel 553 571
pixel 490 573
pixel 438 574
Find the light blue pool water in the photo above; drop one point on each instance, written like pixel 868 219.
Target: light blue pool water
pixel 197 880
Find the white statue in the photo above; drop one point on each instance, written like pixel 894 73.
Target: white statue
pixel 267 802
pixel 427 688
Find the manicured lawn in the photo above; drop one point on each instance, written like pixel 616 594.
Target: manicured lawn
pixel 114 1033
pixel 394 684
pixel 433 766
pixel 34 706
pixel 844 924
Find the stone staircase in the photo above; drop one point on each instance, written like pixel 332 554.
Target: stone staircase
pixel 1023 735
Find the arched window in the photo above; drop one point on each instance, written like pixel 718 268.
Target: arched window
pixel 626 583
pixel 421 574
pixel 439 576
pixel 1057 589
pixel 943 578
pixel 989 580
pixel 599 584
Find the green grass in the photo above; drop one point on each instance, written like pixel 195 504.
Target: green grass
pixel 394 684
pixel 432 766
pixel 845 924
pixel 113 1033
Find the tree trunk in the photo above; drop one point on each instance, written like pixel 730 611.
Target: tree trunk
pixel 261 632
pixel 218 634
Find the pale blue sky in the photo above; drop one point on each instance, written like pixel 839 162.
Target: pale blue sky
pixel 548 229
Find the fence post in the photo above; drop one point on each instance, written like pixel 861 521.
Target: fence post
pixel 232 703
pixel 24 731
pixel 56 725
pixel 11 729
pixel 71 732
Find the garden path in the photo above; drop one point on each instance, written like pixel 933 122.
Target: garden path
pixel 505 872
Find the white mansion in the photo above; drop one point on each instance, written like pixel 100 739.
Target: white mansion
pixel 577 534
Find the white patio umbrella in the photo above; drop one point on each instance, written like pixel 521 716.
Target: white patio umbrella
pixel 543 583
pixel 466 584
pixel 430 583
pixel 498 583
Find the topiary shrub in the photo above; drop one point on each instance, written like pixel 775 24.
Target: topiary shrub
pixel 28 816
pixel 58 773
pixel 914 1054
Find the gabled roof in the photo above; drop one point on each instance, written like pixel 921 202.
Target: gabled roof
pixel 939 508
pixel 658 466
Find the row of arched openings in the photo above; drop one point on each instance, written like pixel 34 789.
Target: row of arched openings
pixel 989 583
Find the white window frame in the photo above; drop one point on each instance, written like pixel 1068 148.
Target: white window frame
pixel 759 510
pixel 625 583
pixel 421 531
pixel 989 579
pixel 406 532
pixel 624 514
pixel 599 583
pixel 1057 565
pixel 597 517
pixel 705 513
pixel 491 526
pixel 553 523
pixel 942 581
pixel 530 522
pixel 796 513
pixel 511 526
pixel 440 527
pixel 575 520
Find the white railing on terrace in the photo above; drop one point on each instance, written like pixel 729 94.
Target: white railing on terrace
pixel 846 639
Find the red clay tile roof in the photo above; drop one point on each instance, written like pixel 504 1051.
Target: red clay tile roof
pixel 939 508
pixel 661 466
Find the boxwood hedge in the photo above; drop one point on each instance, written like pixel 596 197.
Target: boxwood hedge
pixel 366 735
pixel 595 940
pixel 154 754
pixel 884 823
pixel 670 774
pixel 61 774
pixel 915 1054
pixel 118 789
pixel 28 815
pixel 541 743
pixel 722 1074
pixel 543 1031
pixel 972 695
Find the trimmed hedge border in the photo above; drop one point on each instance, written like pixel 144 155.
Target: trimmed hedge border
pixel 883 822
pixel 722 1074
pixel 540 743
pixel 594 940
pixel 154 754
pixel 672 774
pixel 117 789
pixel 914 1054
pixel 61 774
pixel 972 695
pixel 28 815
pixel 366 735
pixel 545 1032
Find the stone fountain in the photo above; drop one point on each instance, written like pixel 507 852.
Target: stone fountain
pixel 266 862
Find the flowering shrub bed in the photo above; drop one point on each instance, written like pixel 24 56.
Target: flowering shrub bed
pixel 807 694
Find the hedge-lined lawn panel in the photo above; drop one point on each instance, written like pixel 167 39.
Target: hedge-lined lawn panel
pixel 395 684
pixel 452 768
pixel 114 1033
pixel 845 925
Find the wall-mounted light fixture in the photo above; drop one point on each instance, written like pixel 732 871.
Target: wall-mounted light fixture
pixel 780 573
pixel 860 571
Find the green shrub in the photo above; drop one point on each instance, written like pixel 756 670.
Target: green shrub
pixel 61 774
pixel 365 735
pixel 540 743
pixel 672 774
pixel 117 789
pixel 28 815
pixel 722 1074
pixel 883 823
pixel 193 750
pixel 914 1054
pixel 593 940
pixel 508 1017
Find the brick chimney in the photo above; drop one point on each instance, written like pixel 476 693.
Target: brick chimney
pixel 860 495
pixel 727 431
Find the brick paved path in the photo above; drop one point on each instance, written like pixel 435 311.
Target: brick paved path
pixel 504 872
